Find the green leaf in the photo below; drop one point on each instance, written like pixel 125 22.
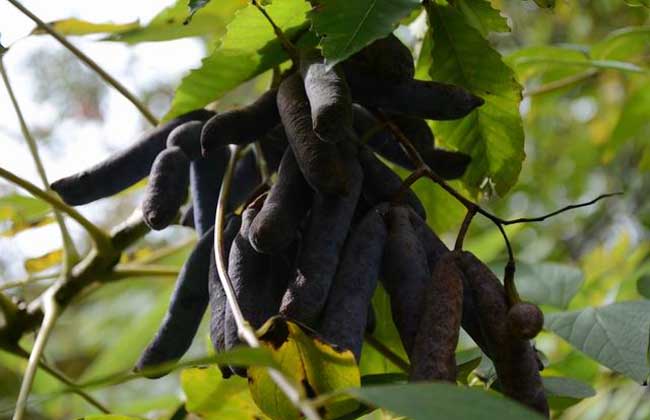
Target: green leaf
pixel 633 121
pixel 73 26
pixel 492 134
pixel 248 48
pixel 428 401
pixel 623 44
pixel 21 207
pixel 372 362
pixel 346 27
pixel 548 283
pixel 547 62
pixel 615 335
pixel 643 286
pixel 209 396
pixel 638 3
pixel 564 392
pixel 481 15
pixel 109 417
pixel 172 22
pixel 311 364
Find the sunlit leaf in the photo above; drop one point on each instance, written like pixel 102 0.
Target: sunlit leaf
pixel 312 365
pixel 21 225
pixel 492 134
pixel 345 27
pixel 212 397
pixel 615 335
pixel 633 121
pixel 428 401
pixel 248 48
pixel 482 16
pixel 20 209
pixel 109 417
pixel 623 44
pixel 43 262
pixel 73 26
pixel 638 3
pixel 172 22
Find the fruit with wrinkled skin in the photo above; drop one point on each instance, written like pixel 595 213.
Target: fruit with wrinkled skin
pixel 167 188
pixel 345 316
pixel 386 57
pixel 122 169
pixel 275 226
pixel 240 126
pixel 433 356
pixel 405 274
pixel 321 163
pixel 525 320
pixel 329 97
pixel 323 238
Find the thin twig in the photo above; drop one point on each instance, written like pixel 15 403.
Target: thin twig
pixel 27 280
pixel 51 311
pixel 562 210
pixel 71 256
pixel 463 229
pixel 89 62
pixel 137 270
pixel 286 43
pixel 244 329
pixel 101 239
pixel 387 353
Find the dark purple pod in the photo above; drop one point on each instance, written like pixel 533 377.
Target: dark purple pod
pixel 186 308
pixel 323 238
pixel 187 137
pixel 321 163
pixel 167 188
pixel 240 126
pixel 206 175
pixel 514 358
pixel 329 97
pixel 418 98
pixel 344 318
pixel 405 274
pixel 289 199
pixel 386 57
pixel 122 169
pixel 434 350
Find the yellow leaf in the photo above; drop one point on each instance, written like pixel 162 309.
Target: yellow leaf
pixel 20 225
pixel 313 365
pixel 43 262
pixel 74 26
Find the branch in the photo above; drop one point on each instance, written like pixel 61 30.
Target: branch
pixel 89 62
pixel 51 312
pixel 71 256
pixel 101 239
pixel 244 329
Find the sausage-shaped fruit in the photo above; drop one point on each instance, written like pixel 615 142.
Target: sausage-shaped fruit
pixel 514 358
pixel 246 178
pixel 525 320
pixel 321 163
pixel 329 97
pixel 419 98
pixel 275 226
pixel 206 175
pixel 186 308
pixel 386 57
pixel 345 316
pixel 241 126
pixel 323 238
pixel 187 137
pixel 167 188
pixel 381 184
pixel 405 274
pixel 433 356
pixel 251 273
pixel 218 301
pixel 122 169
pixel 435 249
